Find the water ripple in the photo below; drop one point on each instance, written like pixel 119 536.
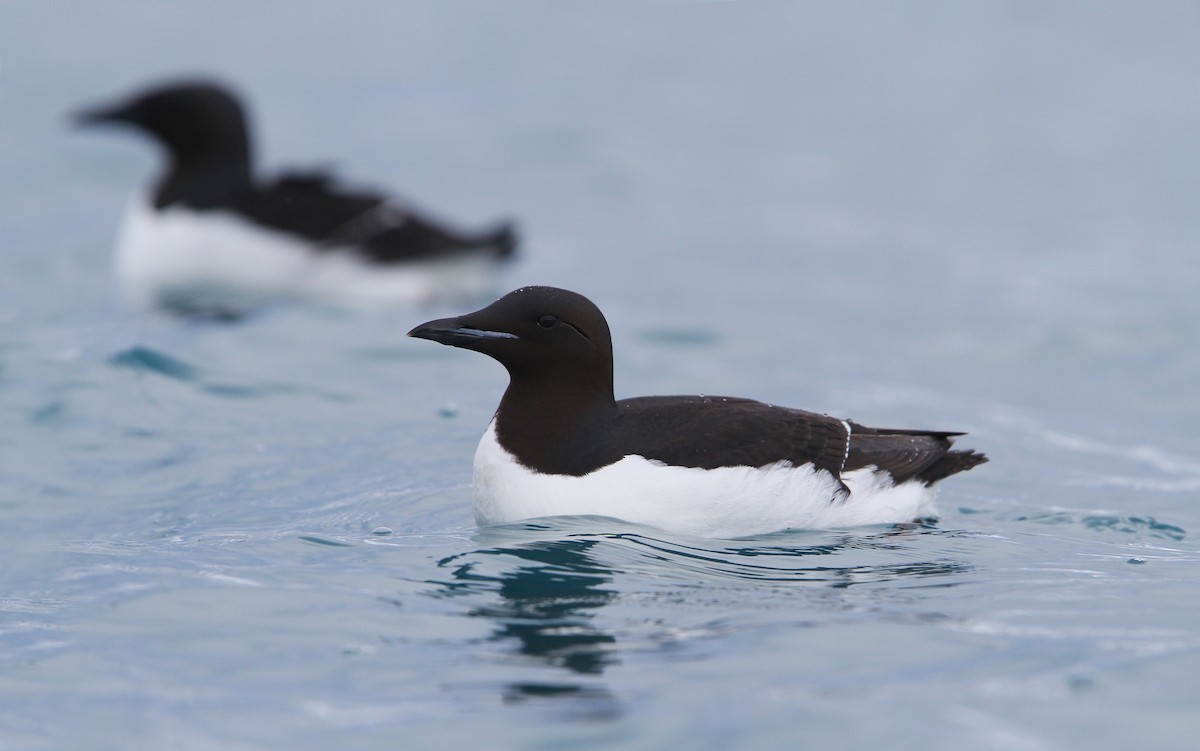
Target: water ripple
pixel 829 558
pixel 1135 526
pixel 147 360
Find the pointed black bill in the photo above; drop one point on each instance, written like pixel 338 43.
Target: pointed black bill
pixel 98 115
pixel 454 332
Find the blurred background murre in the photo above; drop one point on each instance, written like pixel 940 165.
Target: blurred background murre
pixel 209 238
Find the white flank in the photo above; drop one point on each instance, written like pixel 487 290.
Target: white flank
pixel 179 256
pixel 725 502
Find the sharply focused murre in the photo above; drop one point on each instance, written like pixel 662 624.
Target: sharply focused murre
pixel 209 237
pixel 560 444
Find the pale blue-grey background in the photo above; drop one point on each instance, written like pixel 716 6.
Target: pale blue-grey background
pixel 965 216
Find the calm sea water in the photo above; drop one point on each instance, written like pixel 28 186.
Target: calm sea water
pixel 961 216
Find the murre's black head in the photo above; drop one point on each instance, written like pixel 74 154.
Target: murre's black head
pixel 194 119
pixel 537 333
pixel 203 129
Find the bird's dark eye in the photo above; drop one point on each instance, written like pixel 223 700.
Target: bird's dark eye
pixel 547 322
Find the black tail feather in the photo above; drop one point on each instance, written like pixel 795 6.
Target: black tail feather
pixel 952 463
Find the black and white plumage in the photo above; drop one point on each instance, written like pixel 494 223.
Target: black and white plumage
pixel 210 236
pixel 561 444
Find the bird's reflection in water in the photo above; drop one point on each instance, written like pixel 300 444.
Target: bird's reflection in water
pixel 542 595
pixel 549 592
